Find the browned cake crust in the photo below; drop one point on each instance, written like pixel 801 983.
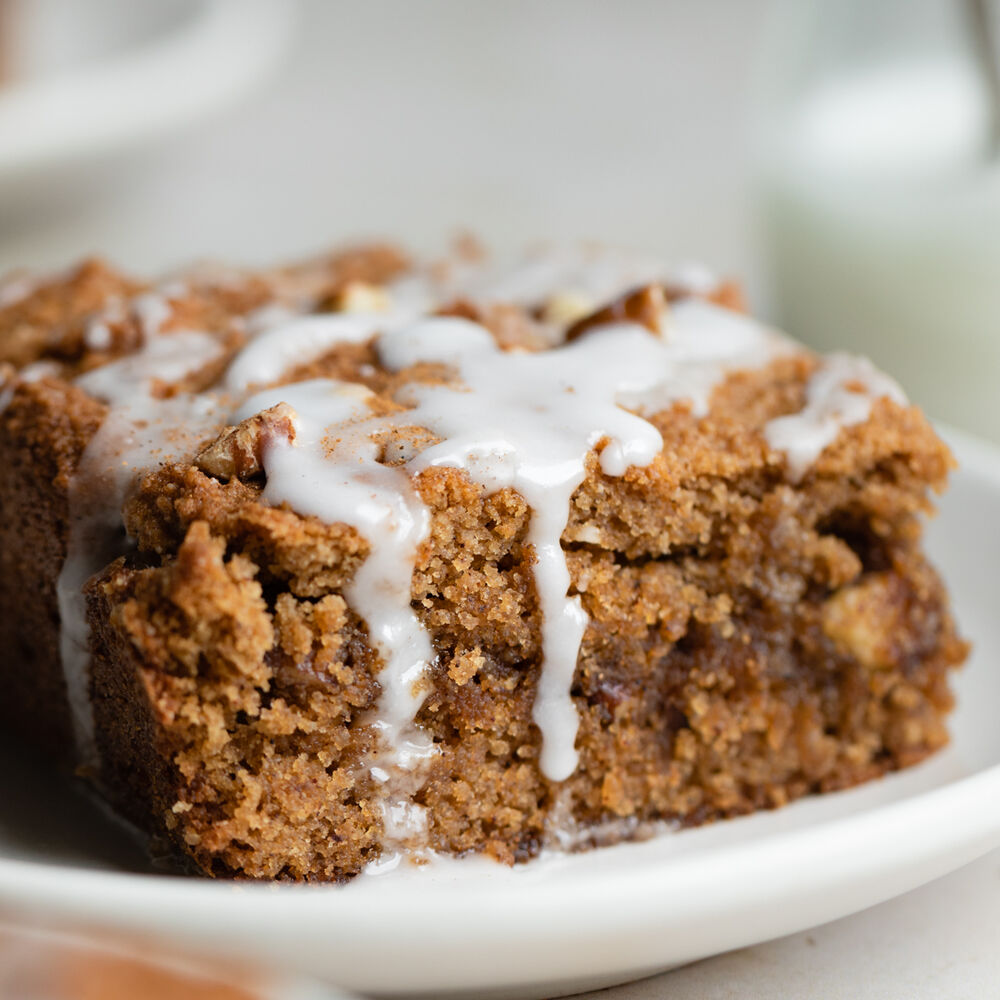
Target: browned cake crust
pixel 751 639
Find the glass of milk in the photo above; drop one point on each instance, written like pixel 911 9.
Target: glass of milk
pixel 879 187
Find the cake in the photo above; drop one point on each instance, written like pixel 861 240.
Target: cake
pixel 316 569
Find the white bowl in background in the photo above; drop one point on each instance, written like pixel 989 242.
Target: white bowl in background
pixel 92 81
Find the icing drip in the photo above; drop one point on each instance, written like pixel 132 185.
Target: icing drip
pixel 599 272
pixel 705 343
pixel 330 470
pixel 528 421
pixel 139 431
pixel 839 394
pixel 152 310
pixel 282 345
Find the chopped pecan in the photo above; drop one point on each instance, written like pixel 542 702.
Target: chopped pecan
pixel 361 297
pixel 403 444
pixel 566 308
pixel 238 451
pixel 645 305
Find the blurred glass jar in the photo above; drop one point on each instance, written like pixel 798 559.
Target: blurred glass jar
pixel 879 191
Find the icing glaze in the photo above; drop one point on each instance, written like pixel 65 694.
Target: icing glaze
pixel 138 432
pixel 330 470
pixel 599 273
pixel 528 421
pixel 283 343
pixel 839 394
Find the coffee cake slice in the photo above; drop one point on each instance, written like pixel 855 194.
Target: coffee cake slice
pixel 360 560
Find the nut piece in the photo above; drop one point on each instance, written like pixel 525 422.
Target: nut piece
pixel 361 297
pixel 403 444
pixel 646 305
pixel 238 451
pixel 866 619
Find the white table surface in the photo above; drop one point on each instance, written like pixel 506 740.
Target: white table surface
pixel 520 120
pixel 939 942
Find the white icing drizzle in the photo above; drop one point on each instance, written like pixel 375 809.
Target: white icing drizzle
pixel 17 286
pixel 282 345
pixel 706 342
pixel 695 277
pixel 97 335
pixel 331 471
pixel 839 394
pixel 603 273
pixel 152 310
pixel 138 431
pixel 168 358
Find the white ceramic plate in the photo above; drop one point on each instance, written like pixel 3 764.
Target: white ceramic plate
pixel 585 920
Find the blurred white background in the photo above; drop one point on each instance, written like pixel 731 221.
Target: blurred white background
pixel 258 130
pixel 518 120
